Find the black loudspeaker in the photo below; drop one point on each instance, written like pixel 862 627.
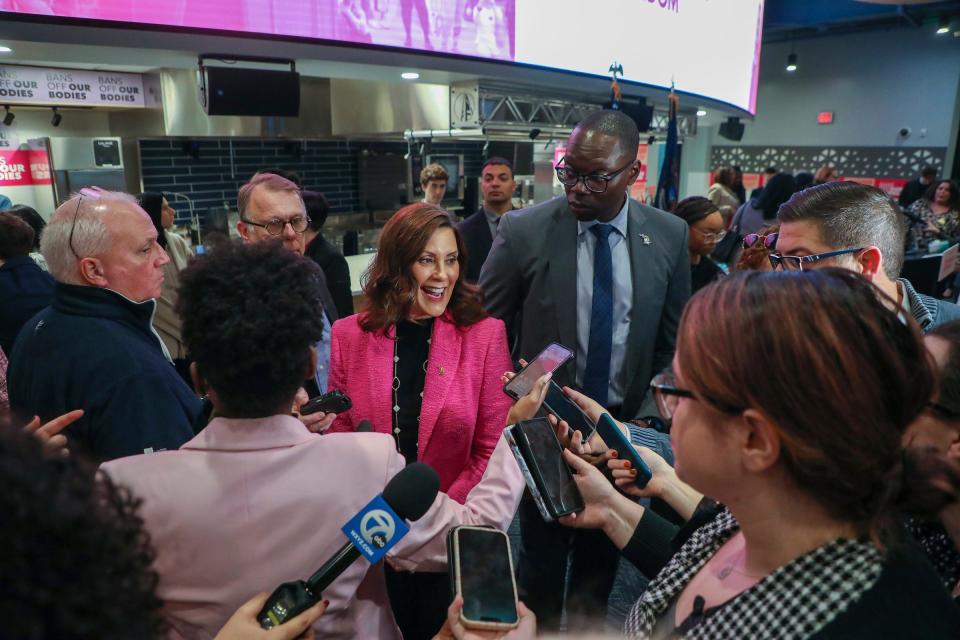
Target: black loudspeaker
pixel 228 91
pixel 640 112
pixel 732 129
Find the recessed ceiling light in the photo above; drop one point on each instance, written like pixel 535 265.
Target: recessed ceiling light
pixel 409 75
pixel 4 49
pixel 701 113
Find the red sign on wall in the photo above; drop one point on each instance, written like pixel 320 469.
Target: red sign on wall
pixel 22 168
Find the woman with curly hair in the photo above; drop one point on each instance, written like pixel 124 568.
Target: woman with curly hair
pixel 423 364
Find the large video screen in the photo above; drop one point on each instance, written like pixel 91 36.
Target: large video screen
pixel 704 47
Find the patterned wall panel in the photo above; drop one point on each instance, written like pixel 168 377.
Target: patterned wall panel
pixel 214 172
pixel 854 162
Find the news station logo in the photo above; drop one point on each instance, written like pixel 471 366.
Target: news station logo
pixel 375 529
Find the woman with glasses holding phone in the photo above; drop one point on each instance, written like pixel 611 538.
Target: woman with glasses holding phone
pixel 811 478
pixel 706 230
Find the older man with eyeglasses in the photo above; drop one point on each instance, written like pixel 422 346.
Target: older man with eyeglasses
pixel 94 348
pixel 856 227
pixel 271 208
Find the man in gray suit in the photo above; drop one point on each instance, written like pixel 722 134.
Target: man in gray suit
pixel 607 277
pixel 539 276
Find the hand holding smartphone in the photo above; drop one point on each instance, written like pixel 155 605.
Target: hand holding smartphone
pixel 613 437
pixel 548 361
pixel 481 572
pixel 332 402
pixel 557 403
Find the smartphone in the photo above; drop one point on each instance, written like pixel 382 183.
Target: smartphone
pixel 548 361
pixel 540 458
pixel 614 439
pixel 482 572
pixel 330 402
pixel 557 403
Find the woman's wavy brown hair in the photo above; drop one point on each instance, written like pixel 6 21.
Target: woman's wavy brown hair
pixel 389 285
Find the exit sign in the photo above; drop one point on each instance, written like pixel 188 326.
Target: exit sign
pixel 825 117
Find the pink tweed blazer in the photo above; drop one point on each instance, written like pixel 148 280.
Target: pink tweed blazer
pixel 464 407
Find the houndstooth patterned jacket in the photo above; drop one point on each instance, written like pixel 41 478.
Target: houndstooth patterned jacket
pixel 795 601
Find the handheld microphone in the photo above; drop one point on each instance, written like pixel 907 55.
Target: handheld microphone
pixel 371 533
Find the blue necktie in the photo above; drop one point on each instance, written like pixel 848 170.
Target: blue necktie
pixel 596 377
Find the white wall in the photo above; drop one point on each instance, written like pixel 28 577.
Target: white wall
pixel 875 82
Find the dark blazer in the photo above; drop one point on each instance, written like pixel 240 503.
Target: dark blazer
pixel 476 235
pixel 25 289
pixel 337 274
pixel 529 282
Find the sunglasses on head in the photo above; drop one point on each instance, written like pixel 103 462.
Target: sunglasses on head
pixel 752 239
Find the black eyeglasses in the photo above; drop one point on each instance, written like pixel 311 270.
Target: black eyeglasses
pixel 88 192
pixel 796 263
pixel 275 227
pixel 667 395
pixel 751 239
pixel 594 182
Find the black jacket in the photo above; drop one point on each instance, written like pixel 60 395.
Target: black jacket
pixel 95 350
pixel 337 273
pixel 25 289
pixel 476 235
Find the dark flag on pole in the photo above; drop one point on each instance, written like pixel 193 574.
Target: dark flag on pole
pixel 668 186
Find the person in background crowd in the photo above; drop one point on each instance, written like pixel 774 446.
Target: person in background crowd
pixel 937 429
pixel 738 188
pixel 721 192
pixel 5 202
pixel 857 227
pixel 607 277
pixel 802 180
pixel 763 210
pixel 914 190
pixel 55 506
pixel 271 207
pixel 497 185
pixel 444 403
pixel 227 513
pixel 36 221
pixel 166 321
pixel 25 288
pixel 292 176
pixel 757 248
pixel 939 208
pixel 433 182
pixel 788 553
pixel 103 253
pixel 706 230
pixel 320 250
pixel 768 173
pixel 825 174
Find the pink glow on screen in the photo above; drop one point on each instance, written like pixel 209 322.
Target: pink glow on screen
pixel 483 28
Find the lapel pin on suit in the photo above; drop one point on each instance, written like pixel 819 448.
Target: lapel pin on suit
pixel 442 371
pixel 645 238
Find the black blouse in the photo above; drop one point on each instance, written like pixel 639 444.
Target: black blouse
pixel 410 357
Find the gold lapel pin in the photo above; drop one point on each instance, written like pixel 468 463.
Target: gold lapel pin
pixel 442 371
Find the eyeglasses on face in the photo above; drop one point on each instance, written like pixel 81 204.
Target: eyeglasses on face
pixel 668 394
pixel 751 239
pixel 799 263
pixel 711 236
pixel 594 182
pixel 91 193
pixel 275 227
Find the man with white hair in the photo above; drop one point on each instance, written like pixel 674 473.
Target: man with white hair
pixel 94 348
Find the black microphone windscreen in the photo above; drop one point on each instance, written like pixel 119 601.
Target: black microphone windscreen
pixel 411 492
pixel 364 427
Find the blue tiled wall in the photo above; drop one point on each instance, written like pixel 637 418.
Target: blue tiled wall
pixel 328 166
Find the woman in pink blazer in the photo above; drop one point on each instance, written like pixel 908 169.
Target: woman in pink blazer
pixel 423 363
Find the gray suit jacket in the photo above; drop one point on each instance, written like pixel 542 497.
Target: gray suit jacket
pixel 530 282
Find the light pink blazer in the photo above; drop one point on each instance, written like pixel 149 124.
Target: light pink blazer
pixel 250 504
pixel 464 407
